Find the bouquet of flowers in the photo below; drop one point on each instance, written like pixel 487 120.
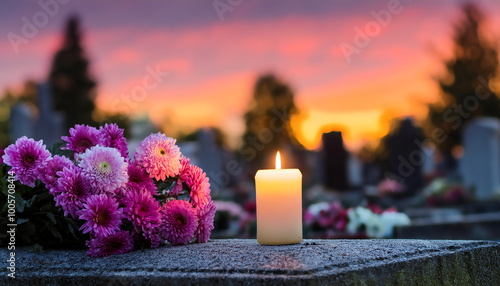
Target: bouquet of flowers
pixel 374 221
pixel 119 202
pixel 371 221
pixel 389 187
pixel 440 192
pixel 326 216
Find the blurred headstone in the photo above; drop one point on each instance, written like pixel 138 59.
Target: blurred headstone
pixel 209 156
pixel 429 162
pixel 334 161
pixel 211 159
pixel 140 128
pixel 22 121
pixel 355 174
pixel 405 156
pixel 371 173
pixel 50 124
pixel 480 164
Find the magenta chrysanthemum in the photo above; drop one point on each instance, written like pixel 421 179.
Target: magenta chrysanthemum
pixel 178 222
pixel 112 136
pixel 26 157
pixel 142 210
pixel 206 216
pixel 117 243
pixel 159 155
pixel 104 168
pixel 72 191
pixel 81 138
pixel 102 215
pixel 152 240
pixel 48 175
pixel 177 189
pixel 198 183
pixel 139 180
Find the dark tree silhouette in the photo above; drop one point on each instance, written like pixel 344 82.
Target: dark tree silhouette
pixel 465 92
pixel 73 88
pixel 267 121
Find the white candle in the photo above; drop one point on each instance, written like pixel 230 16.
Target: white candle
pixel 279 205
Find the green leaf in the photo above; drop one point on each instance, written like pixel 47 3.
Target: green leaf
pixel 70 228
pixel 52 218
pixel 37 248
pixel 29 203
pixel 26 231
pixel 20 204
pixel 56 234
pixel 22 220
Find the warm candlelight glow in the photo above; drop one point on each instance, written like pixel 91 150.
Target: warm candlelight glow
pixel 278 160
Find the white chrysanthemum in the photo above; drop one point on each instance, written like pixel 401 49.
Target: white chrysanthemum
pixel 357 218
pixel 315 209
pixel 393 219
pixel 375 226
pixel 104 168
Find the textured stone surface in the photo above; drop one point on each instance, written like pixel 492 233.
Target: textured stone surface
pixel 244 262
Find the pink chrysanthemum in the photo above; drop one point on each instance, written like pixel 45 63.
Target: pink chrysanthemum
pixel 206 216
pixel 159 155
pixel 102 215
pixel 198 183
pixel 104 168
pixel 117 243
pixel 177 189
pixel 139 179
pixel 48 175
pixel 178 222
pixel 81 138
pixel 26 157
pixel 121 195
pixel 152 240
pixel 72 191
pixel 112 136
pixel 142 210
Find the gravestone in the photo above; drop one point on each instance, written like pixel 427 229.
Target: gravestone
pixel 140 128
pixel 22 121
pixel 428 167
pixel 50 124
pixel 480 164
pixel 355 174
pixel 405 156
pixel 334 157
pixel 482 226
pixel 210 155
pixel 245 262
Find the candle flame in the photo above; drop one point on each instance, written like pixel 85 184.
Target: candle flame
pixel 278 160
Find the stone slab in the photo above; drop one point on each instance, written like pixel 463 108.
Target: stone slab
pixel 245 262
pixel 471 227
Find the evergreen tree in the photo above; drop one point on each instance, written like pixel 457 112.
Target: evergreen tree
pixel 474 64
pixel 267 121
pixel 72 87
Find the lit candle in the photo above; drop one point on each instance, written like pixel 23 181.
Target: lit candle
pixel 279 205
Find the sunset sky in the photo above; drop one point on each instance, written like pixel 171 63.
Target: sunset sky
pixel 214 61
